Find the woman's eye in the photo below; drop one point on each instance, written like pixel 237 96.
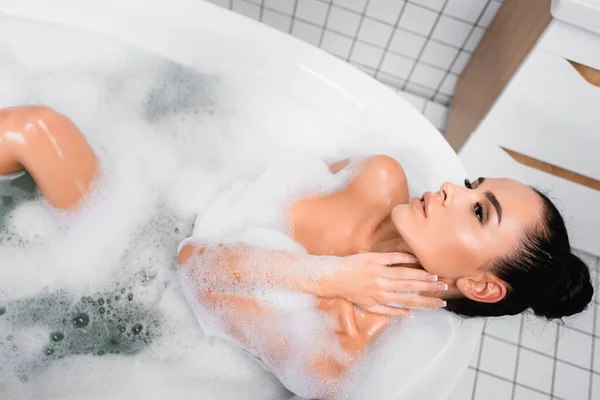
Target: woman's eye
pixel 468 184
pixel 479 212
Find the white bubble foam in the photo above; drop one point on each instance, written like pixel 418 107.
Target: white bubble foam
pixel 170 140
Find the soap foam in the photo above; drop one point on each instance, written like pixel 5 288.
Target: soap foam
pixel 170 140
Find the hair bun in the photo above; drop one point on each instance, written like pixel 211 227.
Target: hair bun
pixel 570 294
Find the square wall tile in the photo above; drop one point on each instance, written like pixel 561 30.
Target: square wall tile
pixel 449 84
pixel 439 54
pixel 489 13
pixel 336 44
pixel 464 389
pixel 451 31
pixel 571 383
pixel 539 335
pixel 367 70
pixel 583 321
pixel 522 393
pixel 221 3
pixel 285 6
pixel 247 9
pixel 595 387
pixel 343 21
pixel 419 90
pixel 535 370
pixel 312 11
pixel 498 358
pixel 506 328
pixel 468 10
pixel 490 388
pixel 475 355
pixel 418 19
pixel 443 99
pixel 366 55
pixel 277 21
pixel 385 10
pixel 392 81
pixel 407 43
pixel 306 32
pixel 596 356
pixel 474 39
pixel 416 101
pixel 375 32
pixel 427 76
pixel 575 347
pixel 434 5
pixel 437 114
pixel 460 63
pixel 356 5
pixel 396 65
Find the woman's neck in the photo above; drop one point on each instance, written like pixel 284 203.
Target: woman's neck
pixel 386 239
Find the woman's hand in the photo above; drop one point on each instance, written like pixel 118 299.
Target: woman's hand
pixel 372 282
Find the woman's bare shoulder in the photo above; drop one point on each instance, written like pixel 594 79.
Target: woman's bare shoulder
pixel 382 180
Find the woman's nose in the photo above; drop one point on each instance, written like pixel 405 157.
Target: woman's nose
pixel 448 192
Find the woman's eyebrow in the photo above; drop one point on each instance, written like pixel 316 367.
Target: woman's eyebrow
pixel 490 196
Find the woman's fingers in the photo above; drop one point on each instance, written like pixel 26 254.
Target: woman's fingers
pixel 404 273
pixel 413 286
pixel 394 258
pixel 389 311
pixel 412 301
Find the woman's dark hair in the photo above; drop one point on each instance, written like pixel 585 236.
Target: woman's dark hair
pixel 542 274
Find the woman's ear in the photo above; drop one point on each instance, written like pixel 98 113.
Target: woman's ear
pixel 487 289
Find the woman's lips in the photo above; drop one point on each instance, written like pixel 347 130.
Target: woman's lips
pixel 417 202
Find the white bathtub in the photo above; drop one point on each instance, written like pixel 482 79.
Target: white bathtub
pixel 203 36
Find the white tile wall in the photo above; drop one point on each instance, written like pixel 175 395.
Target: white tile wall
pixel 418 46
pixel 537 359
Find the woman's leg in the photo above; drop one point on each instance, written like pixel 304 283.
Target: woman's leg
pixel 52 149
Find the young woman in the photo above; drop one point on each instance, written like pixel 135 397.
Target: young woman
pixel 498 246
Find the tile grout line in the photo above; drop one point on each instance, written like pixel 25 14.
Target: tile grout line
pixel 293 16
pixel 261 11
pixel 460 50
pixel 325 23
pixel 386 49
pixel 555 362
pixel 358 28
pixel 540 353
pixel 418 59
pixel 501 378
pixel 452 46
pixel 371 44
pixel 421 6
pixel 519 347
pixel 477 370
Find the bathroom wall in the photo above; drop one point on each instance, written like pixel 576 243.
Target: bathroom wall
pixel 525 358
pixel 419 47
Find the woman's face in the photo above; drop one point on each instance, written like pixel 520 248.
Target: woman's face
pixel 459 230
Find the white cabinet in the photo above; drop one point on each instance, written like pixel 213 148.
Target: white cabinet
pixel 549 112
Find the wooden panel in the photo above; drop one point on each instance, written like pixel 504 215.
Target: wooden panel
pixel 590 74
pixel 507 42
pixel 553 169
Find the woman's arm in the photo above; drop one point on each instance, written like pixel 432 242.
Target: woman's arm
pixel 265 332
pixel 367 280
pixel 52 149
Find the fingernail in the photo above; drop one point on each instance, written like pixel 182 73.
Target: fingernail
pixel 412 259
pixel 441 303
pixel 441 286
pixel 432 277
